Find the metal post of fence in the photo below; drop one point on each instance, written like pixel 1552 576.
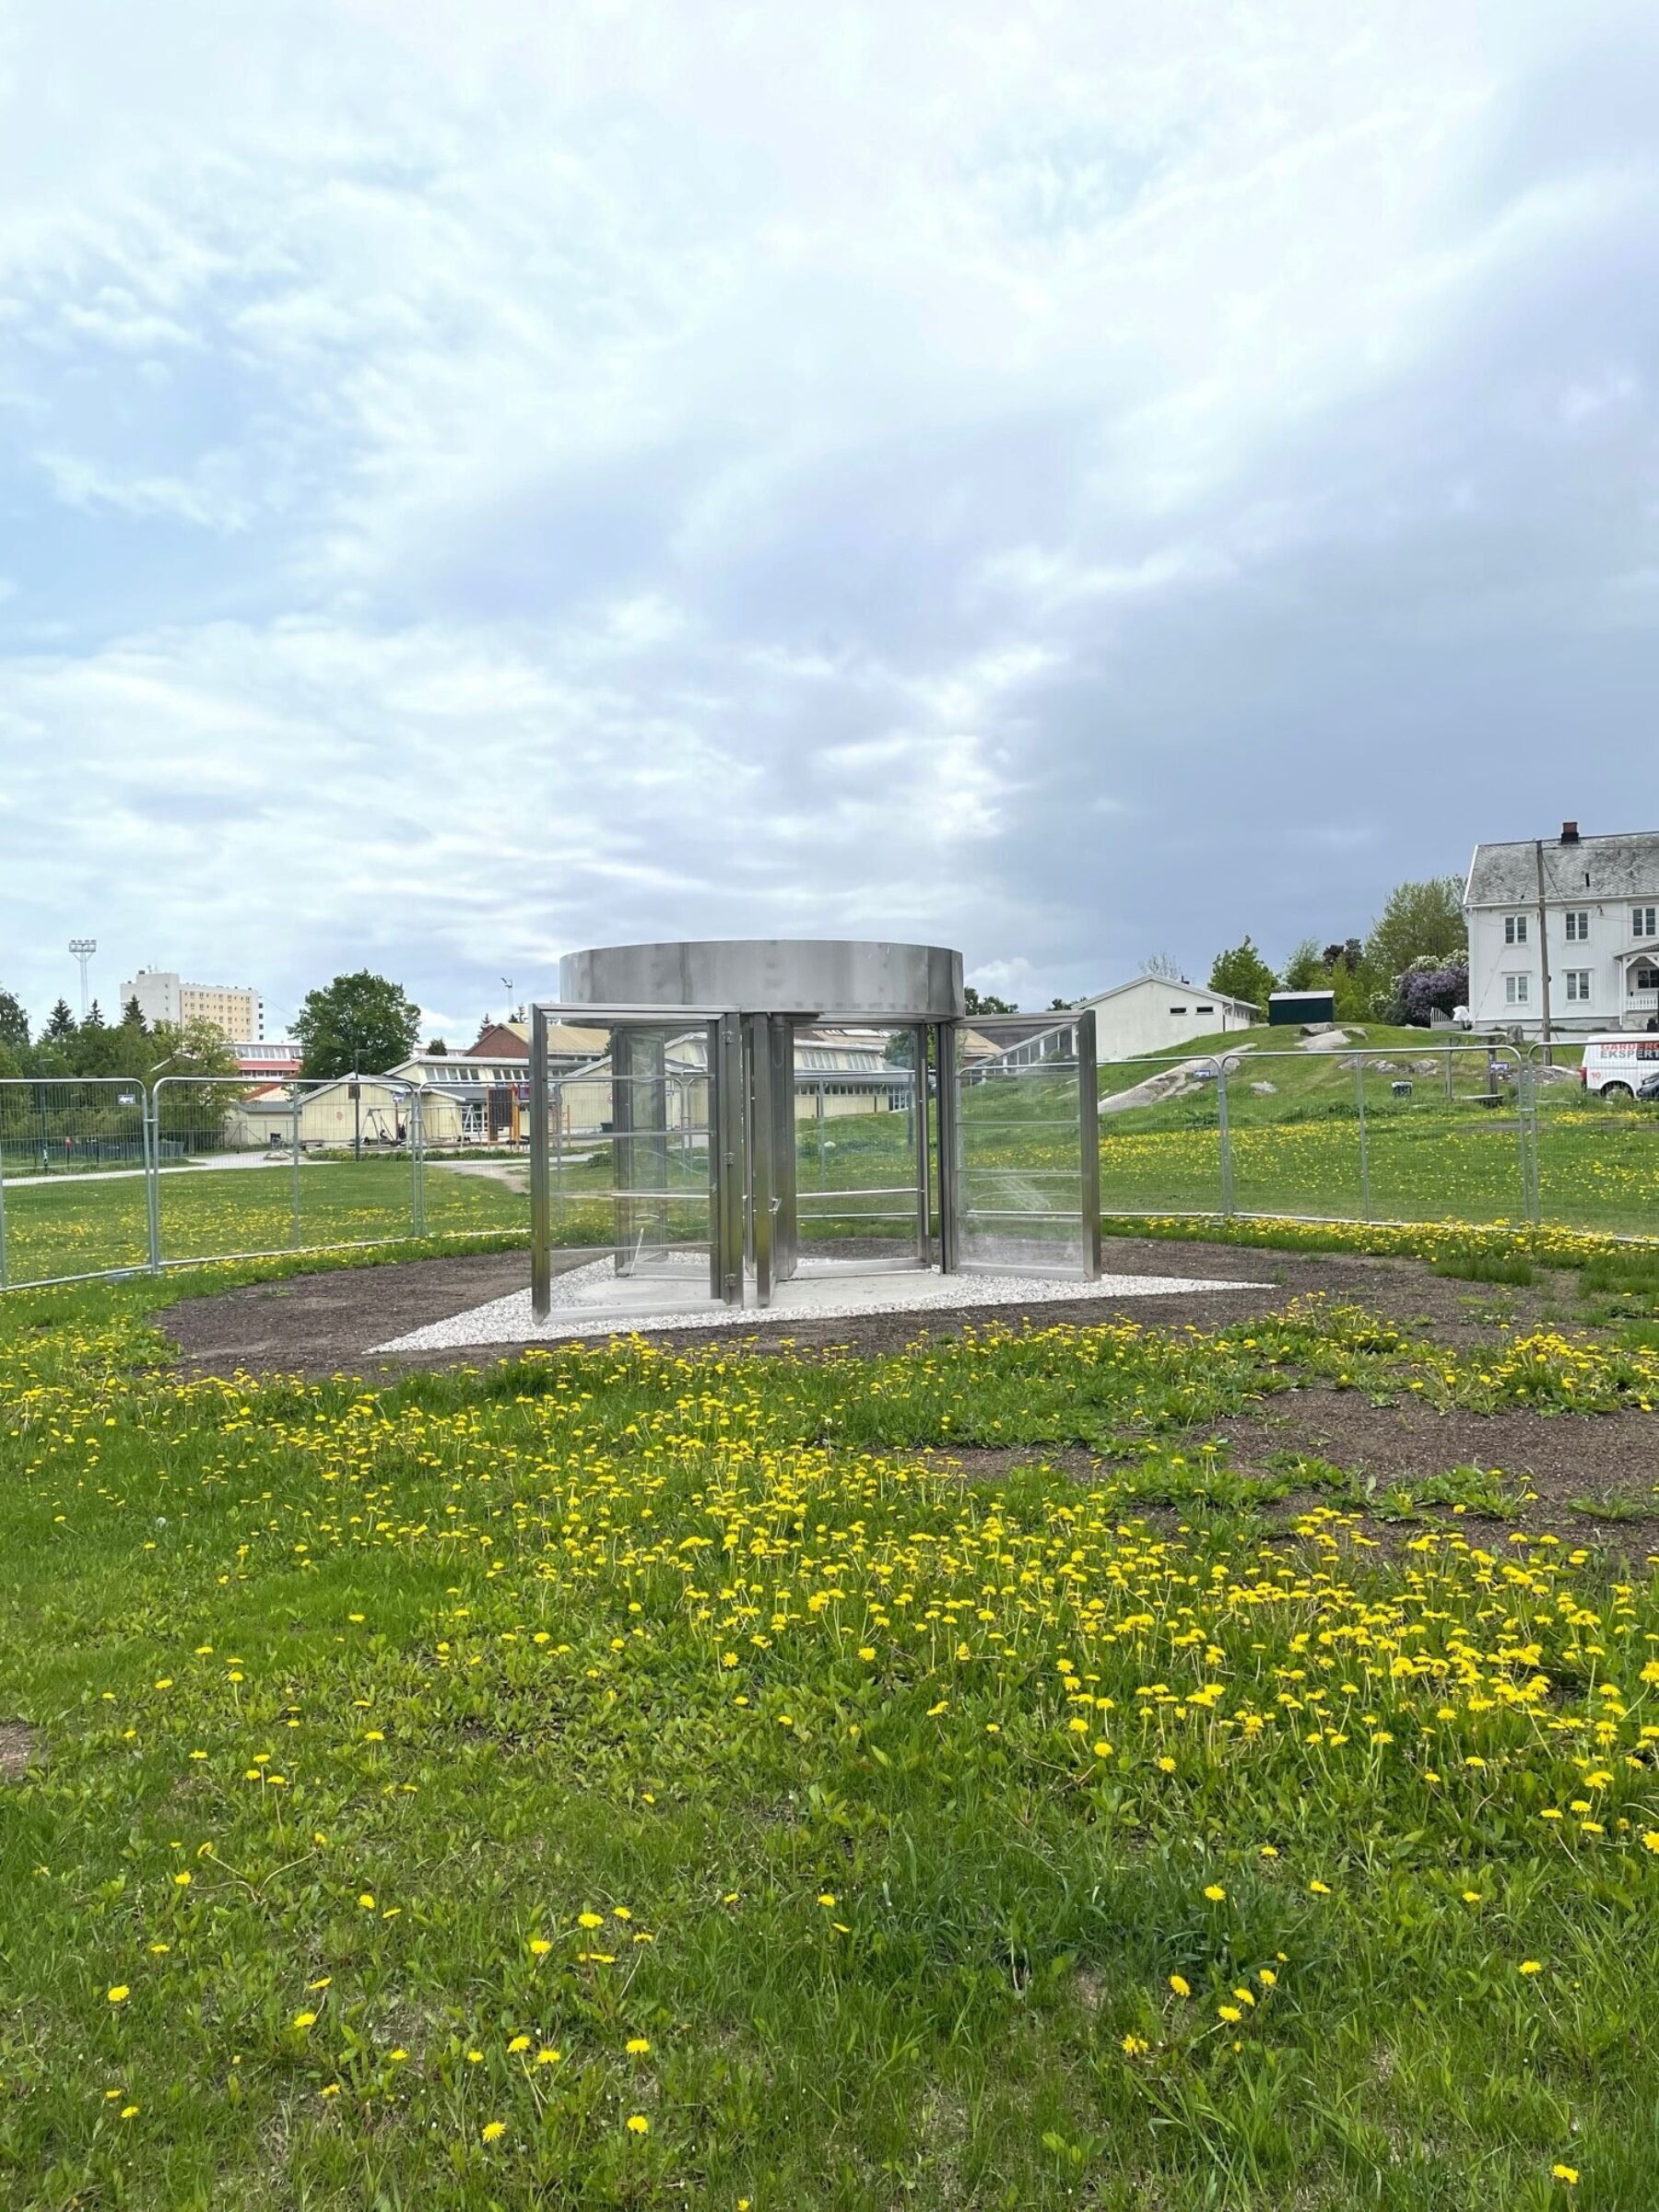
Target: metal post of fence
pixel 1224 1141
pixel 1365 1208
pixel 541 1226
pixel 819 1116
pixel 1449 1091
pixel 295 1104
pixel 1089 1142
pixel 417 1163
pixel 2 1211
pixel 151 1118
pixel 1526 1125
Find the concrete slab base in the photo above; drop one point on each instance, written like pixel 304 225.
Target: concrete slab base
pixel 594 1301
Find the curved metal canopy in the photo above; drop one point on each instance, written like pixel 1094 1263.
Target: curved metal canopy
pixel 847 978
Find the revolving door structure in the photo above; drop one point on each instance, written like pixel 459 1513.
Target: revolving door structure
pixel 735 1123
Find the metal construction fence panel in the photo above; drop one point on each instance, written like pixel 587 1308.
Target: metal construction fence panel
pixel 104 1177
pixel 313 1167
pixel 75 1178
pixel 1596 1156
pixel 1430 1133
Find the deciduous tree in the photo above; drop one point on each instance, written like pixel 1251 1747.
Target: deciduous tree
pixel 1243 973
pixel 1419 920
pixel 359 1023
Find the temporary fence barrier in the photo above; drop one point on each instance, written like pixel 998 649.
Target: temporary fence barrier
pixel 107 1176
pixel 1435 1133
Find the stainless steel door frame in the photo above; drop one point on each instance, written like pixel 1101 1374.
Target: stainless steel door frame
pixel 919 1041
pixel 1083 1053
pixel 758 1133
pixel 727 1146
pixel 787 1221
pixel 951 1180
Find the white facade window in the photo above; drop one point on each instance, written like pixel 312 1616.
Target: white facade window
pixel 1578 986
pixel 1514 929
pixel 1578 925
pixel 1642 921
pixel 1517 989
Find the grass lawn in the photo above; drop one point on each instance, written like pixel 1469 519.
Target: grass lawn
pixel 630 1778
pixel 76 1224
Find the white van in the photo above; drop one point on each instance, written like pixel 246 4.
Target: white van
pixel 1614 1066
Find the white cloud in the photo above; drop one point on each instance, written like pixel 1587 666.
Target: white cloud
pixel 502 478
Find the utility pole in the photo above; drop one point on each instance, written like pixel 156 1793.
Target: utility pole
pixel 1544 949
pixel 83 948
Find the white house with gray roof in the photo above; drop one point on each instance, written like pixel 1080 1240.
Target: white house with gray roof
pixel 1583 911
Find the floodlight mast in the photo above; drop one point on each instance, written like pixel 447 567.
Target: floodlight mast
pixel 83 948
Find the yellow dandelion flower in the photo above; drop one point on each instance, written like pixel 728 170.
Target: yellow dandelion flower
pixel 636 2044
pixel 1565 2173
pixel 519 2042
pixel 637 2124
pixel 1181 1986
pixel 1214 1892
pixel 120 1993
pixel 493 2130
pixel 589 1920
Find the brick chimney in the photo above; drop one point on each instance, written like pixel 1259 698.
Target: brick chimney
pixel 1569 833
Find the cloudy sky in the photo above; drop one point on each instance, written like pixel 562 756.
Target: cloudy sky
pixel 1073 482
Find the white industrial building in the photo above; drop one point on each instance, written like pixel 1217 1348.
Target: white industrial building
pixel 1565 926
pixel 163 996
pixel 1161 1014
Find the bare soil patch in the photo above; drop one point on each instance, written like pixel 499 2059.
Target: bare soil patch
pixel 326 1323
pixel 1592 1473
pixel 21 1747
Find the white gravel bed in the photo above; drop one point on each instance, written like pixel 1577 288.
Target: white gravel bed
pixel 593 1301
